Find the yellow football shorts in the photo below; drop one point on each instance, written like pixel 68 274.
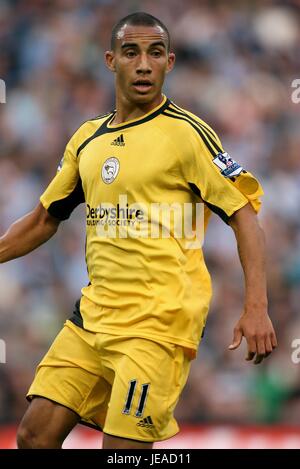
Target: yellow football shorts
pixel 126 386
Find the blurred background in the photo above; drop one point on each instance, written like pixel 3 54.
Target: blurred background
pixel 235 65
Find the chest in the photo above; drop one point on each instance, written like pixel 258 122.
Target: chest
pixel 134 161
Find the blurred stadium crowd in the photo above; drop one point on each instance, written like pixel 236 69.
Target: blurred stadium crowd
pixel 235 65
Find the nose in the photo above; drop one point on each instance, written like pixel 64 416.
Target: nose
pixel 143 66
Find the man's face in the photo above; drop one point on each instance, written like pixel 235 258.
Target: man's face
pixel 140 61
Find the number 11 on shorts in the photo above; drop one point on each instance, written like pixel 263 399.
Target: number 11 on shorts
pixel 130 395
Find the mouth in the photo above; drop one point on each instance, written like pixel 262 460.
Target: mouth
pixel 142 86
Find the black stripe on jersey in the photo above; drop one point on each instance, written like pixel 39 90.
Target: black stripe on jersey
pixel 198 130
pixel 63 208
pixel 98 132
pixel 111 113
pixel 206 127
pixel 208 134
pixel 212 207
pixel 103 129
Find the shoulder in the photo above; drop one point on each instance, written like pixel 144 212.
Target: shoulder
pixel 188 119
pixel 186 124
pixel 88 128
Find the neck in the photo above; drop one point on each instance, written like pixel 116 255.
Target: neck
pixel 127 110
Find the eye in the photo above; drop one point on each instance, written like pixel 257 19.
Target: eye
pixel 156 53
pixel 130 54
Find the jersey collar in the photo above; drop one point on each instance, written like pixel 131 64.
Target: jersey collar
pixel 139 120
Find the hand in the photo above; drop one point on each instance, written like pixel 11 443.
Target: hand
pixel 258 330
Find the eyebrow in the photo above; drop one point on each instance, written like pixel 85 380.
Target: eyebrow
pixel 133 44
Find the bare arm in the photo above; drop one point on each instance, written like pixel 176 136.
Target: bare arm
pixel 254 324
pixel 27 233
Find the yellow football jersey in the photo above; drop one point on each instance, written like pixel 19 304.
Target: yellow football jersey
pixel 149 186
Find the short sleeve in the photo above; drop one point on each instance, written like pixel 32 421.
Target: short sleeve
pixel 65 191
pixel 223 185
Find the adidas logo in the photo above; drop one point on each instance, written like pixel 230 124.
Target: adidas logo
pixel 119 141
pixel 146 422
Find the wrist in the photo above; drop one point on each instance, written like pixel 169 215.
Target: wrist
pixel 256 297
pixel 256 306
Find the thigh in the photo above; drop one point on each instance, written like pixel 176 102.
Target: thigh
pixel 149 378
pixel 71 375
pixel 45 424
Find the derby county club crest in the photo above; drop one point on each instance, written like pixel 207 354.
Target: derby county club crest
pixel 110 170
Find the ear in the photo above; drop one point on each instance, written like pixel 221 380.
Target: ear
pixel 110 60
pixel 171 61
